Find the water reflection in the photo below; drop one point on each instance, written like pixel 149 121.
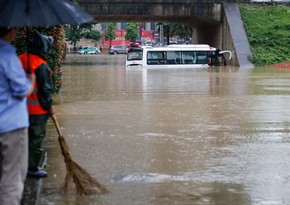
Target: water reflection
pixel 218 136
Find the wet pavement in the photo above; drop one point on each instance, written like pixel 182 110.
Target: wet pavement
pixel 162 137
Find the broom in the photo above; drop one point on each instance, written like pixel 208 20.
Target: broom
pixel 85 184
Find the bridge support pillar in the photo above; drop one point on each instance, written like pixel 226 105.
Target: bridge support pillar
pixel 234 36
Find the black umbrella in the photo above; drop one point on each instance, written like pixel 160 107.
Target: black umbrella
pixel 21 13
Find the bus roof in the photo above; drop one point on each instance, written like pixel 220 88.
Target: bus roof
pixel 187 47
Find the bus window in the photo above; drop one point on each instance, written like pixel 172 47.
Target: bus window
pixel 202 57
pixel 152 55
pixel 152 58
pixel 172 57
pixel 156 57
pixel 188 57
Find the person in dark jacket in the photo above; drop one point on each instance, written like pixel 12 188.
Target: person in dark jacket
pixel 40 102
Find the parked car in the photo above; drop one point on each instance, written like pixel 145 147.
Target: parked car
pixel 148 43
pixel 89 50
pixel 118 50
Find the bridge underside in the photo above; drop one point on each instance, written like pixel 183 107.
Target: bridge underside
pixel 159 11
pixel 208 17
pixel 205 18
pixel 196 22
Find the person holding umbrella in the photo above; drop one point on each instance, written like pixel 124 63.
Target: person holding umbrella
pixel 14 86
pixel 39 103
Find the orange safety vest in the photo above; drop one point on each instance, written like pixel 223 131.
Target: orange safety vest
pixel 34 107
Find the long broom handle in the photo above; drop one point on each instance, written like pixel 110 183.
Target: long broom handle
pixel 63 144
pixel 56 125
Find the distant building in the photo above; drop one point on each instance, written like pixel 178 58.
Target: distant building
pixel 147 35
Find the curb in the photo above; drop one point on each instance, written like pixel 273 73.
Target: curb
pixel 33 186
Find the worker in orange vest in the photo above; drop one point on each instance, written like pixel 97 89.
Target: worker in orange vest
pixel 39 103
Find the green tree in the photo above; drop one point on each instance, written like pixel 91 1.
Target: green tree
pixel 93 34
pixel 175 29
pixel 110 33
pixel 75 33
pixel 181 30
pixel 132 31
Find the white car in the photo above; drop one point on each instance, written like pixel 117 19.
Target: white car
pixel 89 50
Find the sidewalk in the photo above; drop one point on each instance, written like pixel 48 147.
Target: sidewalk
pixel 32 187
pixel 31 191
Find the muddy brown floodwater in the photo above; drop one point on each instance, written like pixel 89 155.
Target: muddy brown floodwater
pixel 164 137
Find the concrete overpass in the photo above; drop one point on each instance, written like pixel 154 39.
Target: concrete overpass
pixel 216 22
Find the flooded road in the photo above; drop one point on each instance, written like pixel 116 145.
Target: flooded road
pixel 164 137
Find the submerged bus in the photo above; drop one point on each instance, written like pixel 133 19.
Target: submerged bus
pixel 175 56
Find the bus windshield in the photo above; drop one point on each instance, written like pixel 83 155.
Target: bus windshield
pixel 135 54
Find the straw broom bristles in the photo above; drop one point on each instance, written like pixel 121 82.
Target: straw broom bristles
pixel 84 182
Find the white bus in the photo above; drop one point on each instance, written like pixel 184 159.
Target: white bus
pixel 175 56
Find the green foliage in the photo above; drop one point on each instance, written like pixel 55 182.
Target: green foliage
pixel 110 32
pixel 175 29
pixel 56 55
pixel 95 35
pixel 181 30
pixel 268 31
pixel 75 33
pixel 132 31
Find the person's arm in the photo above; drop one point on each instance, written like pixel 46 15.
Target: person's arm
pixel 45 88
pixel 32 79
pixel 51 111
pixel 20 84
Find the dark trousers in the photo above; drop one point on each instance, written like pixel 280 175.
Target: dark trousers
pixel 36 133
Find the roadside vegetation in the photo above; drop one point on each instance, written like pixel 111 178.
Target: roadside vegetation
pixel 175 29
pixel 74 33
pixel 110 33
pixel 268 31
pixel 55 57
pixel 132 32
